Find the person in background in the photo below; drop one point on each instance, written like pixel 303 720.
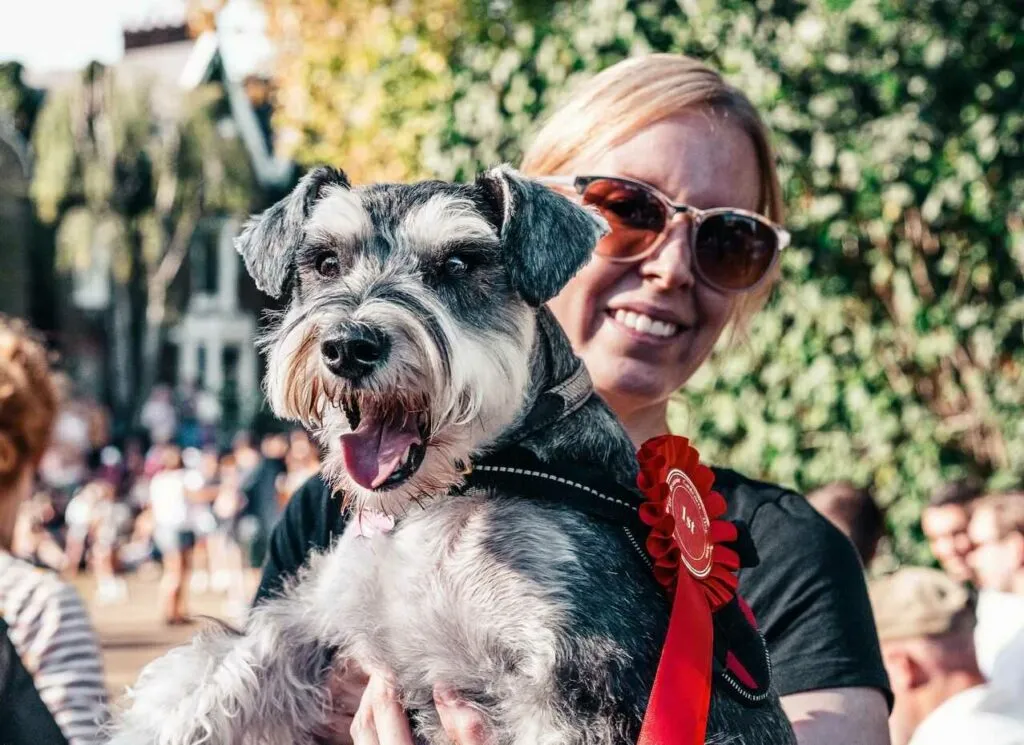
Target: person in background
pixel 159 416
pixel 996 531
pixel 47 623
pixel 263 487
pixel 855 512
pixel 303 461
pixel 172 533
pixel 944 522
pixel 32 541
pixel 78 519
pixel 926 625
pixel 111 523
pixel 202 482
pixel 228 509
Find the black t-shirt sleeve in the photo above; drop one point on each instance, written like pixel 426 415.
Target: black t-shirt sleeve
pixel 308 523
pixel 810 599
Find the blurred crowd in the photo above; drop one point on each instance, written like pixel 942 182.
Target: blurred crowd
pixel 171 497
pixel 952 638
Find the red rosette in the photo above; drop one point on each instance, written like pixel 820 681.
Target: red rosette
pixel 684 514
pixel 687 529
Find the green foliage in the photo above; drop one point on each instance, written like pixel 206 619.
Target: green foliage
pixel 18 101
pixel 126 190
pixel 891 354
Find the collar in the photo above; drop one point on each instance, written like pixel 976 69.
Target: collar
pixel 558 402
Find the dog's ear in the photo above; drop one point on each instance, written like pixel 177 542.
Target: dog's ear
pixel 268 240
pixel 545 237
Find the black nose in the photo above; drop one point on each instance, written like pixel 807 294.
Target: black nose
pixel 354 351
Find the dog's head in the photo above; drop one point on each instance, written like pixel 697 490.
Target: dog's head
pixel 406 344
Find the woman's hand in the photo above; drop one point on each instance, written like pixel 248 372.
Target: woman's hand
pixel 380 719
pixel 347 687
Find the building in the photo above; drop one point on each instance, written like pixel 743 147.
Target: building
pixel 209 348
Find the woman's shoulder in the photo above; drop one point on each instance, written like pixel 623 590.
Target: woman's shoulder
pixel 34 599
pixel 782 520
pixel 20 580
pixel 746 496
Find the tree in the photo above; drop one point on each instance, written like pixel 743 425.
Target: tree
pixel 17 100
pixel 892 352
pixel 128 190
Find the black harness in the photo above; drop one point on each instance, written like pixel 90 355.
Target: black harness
pixel 741 657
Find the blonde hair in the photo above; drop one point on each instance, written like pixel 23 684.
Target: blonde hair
pixel 627 97
pixel 28 400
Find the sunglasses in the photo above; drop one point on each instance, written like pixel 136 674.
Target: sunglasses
pixel 733 249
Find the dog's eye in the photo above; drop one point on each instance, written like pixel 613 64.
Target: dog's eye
pixel 456 266
pixel 327 265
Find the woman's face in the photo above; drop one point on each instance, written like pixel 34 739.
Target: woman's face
pixel 696 159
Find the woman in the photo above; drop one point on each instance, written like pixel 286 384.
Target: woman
pixel 45 618
pixel 679 164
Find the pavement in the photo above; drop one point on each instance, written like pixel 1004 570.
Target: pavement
pixel 132 632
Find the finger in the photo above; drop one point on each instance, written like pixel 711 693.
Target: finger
pixel 463 724
pixel 362 729
pixel 389 719
pixel 346 686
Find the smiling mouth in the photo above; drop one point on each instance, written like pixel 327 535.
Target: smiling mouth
pixel 387 443
pixel 645 325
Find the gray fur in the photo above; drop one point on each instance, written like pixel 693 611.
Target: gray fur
pixel 545 618
pixel 267 243
pixel 547 238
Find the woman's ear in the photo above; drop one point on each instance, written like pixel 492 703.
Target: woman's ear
pixel 545 238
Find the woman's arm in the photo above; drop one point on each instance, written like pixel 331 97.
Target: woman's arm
pixel 850 716
pixel 810 599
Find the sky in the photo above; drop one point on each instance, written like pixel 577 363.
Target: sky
pixel 53 35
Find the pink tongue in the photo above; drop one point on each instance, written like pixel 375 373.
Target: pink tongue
pixel 375 449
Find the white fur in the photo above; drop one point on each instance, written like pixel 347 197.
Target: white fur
pixel 442 220
pixel 340 215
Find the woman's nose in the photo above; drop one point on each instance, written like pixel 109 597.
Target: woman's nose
pixel 670 265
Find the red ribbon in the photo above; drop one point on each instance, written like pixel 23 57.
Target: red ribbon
pixel 686 530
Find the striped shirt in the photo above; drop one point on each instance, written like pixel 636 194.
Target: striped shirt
pixel 50 629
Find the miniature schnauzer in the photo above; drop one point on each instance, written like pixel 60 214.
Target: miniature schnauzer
pixel 414 343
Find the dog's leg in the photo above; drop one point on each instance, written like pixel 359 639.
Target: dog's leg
pixel 266 685
pixel 227 688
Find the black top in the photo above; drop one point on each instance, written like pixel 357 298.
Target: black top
pixel 24 718
pixel 808 593
pixel 260 489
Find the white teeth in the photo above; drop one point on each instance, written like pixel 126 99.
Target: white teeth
pixel 645 324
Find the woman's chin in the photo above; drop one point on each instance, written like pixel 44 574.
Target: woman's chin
pixel 626 383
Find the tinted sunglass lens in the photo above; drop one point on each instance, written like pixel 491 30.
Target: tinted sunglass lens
pixel 635 216
pixel 734 252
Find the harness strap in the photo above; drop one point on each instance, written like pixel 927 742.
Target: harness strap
pixel 740 655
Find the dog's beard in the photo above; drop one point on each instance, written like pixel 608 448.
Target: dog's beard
pixel 409 431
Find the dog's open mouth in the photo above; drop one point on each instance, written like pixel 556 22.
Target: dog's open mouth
pixel 387 442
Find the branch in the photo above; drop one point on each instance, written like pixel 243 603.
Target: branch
pixel 170 264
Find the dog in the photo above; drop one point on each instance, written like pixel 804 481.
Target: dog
pixel 415 341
